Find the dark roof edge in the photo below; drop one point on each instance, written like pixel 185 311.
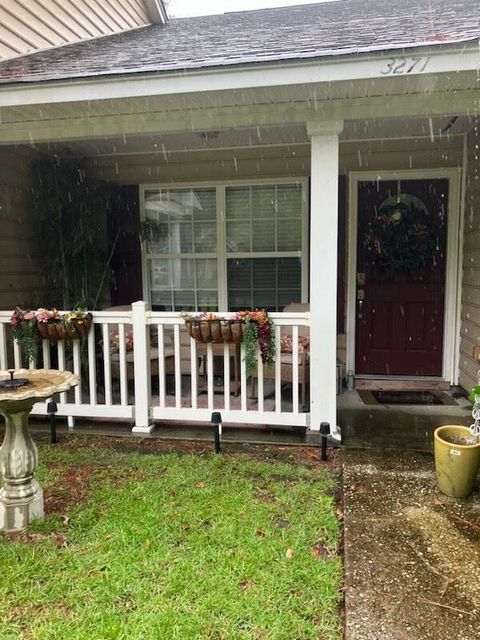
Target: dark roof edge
pixel 273 61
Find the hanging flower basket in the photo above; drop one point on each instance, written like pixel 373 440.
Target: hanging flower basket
pixel 209 328
pixel 73 329
pixel 253 328
pixel 48 324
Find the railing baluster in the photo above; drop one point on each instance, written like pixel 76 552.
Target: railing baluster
pixel 107 369
pixel 260 391
pixel 178 370
pixel 295 368
pixel 92 367
pixel 226 376
pixel 46 354
pixel 78 370
pixel 243 379
pixel 17 355
pixel 61 365
pixel 3 348
pixel 210 375
pixel 194 373
pixel 278 370
pixel 122 356
pixel 161 365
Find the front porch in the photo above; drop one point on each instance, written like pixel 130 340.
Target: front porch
pixel 259 212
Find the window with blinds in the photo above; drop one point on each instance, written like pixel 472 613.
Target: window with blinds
pixel 260 264
pixel 180 240
pixel 264 246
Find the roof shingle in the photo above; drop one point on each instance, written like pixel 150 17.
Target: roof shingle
pixel 266 35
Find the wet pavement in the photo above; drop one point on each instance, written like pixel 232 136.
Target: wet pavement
pixel 396 427
pixel 412 555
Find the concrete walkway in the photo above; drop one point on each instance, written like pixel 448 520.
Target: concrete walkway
pixel 412 555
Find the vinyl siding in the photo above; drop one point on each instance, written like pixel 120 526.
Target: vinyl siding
pixel 470 327
pixel 27 26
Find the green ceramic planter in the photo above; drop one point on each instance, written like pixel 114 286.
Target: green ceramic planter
pixel 456 465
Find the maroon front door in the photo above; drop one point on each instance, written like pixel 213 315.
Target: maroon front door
pixel 400 292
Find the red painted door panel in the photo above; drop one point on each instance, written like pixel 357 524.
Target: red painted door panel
pixel 399 327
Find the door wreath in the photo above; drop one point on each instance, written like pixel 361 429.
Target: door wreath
pixel 399 239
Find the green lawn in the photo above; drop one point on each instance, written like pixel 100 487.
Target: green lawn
pixel 166 545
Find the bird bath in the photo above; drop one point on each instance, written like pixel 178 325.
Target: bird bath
pixel 21 497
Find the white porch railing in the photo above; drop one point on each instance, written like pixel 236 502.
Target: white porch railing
pixel 167 375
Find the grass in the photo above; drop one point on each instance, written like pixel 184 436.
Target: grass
pixel 174 545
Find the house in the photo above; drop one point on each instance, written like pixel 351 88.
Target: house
pixel 324 155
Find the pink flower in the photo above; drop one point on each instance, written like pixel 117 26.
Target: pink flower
pixel 29 315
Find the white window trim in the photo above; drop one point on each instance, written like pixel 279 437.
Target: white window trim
pixel 221 255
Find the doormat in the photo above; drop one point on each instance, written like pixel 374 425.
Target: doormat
pixel 406 397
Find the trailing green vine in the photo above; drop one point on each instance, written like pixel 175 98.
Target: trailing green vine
pixel 250 341
pixel 258 334
pixel 25 334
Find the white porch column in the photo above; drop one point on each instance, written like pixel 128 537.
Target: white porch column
pixel 141 364
pixel 323 271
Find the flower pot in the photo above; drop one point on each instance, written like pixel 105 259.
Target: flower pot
pixel 456 465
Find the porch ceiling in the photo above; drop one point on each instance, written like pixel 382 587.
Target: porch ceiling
pixel 286 135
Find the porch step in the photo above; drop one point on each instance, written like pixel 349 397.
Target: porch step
pixel 383 384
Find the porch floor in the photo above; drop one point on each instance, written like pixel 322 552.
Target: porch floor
pixel 396 426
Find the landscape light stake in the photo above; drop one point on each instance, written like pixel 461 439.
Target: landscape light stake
pixel 324 432
pixel 217 429
pixel 52 410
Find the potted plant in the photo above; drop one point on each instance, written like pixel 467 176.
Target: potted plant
pixel 457 453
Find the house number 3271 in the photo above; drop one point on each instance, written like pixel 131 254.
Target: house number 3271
pixel 404 66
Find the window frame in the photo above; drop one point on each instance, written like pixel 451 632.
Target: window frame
pixel 221 254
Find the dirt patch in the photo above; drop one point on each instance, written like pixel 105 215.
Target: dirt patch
pixel 69 489
pixel 308 456
pixel 58 538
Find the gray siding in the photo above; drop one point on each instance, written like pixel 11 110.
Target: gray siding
pixel 470 327
pixel 271 162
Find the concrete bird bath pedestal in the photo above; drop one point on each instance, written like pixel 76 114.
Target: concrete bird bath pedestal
pixel 21 497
